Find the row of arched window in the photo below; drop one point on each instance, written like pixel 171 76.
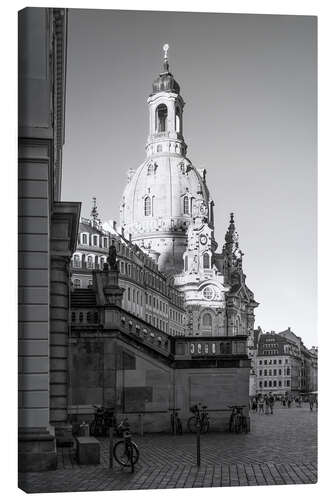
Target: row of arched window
pixel 148 205
pixel 205 258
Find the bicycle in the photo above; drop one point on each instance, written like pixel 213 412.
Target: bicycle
pixel 175 422
pixel 238 422
pixel 200 419
pixel 104 418
pixel 125 451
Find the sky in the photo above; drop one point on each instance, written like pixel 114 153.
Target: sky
pixel 249 84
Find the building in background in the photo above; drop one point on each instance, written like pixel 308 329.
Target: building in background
pixel 285 365
pixel 47 237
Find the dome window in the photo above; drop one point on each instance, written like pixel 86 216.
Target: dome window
pixel 161 116
pixel 150 169
pixel 147 206
pixel 186 205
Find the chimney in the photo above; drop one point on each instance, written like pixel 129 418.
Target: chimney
pixel 123 232
pixel 114 225
pixel 130 237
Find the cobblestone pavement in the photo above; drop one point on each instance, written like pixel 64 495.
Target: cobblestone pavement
pixel 281 449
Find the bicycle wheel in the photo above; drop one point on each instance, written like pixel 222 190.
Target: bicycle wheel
pixel 179 427
pixel 122 453
pixel 192 424
pixel 205 426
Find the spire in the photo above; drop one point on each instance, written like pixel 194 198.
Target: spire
pixel 94 212
pixel 165 82
pixel 231 235
pixel 165 60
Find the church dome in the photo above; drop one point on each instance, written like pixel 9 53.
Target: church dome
pixel 166 192
pixel 161 199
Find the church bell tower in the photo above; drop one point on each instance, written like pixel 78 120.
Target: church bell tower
pixel 165 115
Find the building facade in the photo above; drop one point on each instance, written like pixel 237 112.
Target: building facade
pixel 47 237
pixel 284 365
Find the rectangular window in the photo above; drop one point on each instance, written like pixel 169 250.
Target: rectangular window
pixel 95 240
pixel 105 242
pixel 129 293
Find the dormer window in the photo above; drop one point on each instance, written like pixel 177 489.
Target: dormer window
pixel 206 263
pixel 150 169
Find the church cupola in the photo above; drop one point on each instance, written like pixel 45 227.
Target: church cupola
pixel 165 114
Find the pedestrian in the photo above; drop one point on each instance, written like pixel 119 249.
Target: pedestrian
pixel 266 405
pixel 271 402
pixel 261 404
pixel 254 405
pixel 289 403
pixel 311 403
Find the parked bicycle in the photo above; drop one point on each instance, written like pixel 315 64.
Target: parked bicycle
pixel 200 419
pixel 104 418
pixel 175 422
pixel 125 451
pixel 238 422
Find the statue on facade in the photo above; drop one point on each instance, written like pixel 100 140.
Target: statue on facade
pixel 112 258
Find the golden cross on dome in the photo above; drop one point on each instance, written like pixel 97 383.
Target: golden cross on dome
pixel 166 48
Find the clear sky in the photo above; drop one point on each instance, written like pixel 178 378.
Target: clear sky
pixel 249 83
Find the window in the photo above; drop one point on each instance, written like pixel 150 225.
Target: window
pixel 260 373
pixel 159 148
pixel 265 362
pixel 84 239
pixel 207 320
pixel 206 261
pixel 274 372
pixel 208 293
pixel 260 383
pixel 161 116
pixel 280 384
pixel 102 261
pixel 280 372
pixel 288 383
pixel 270 383
pixel 105 242
pixel 95 240
pixel 147 206
pixel 90 283
pixel 274 383
pixel 265 373
pixel 280 361
pixel 177 120
pixel 90 262
pixel 77 261
pixel 260 362
pixel 186 205
pixel 265 383
pixel 77 283
pixel 129 293
pixel 274 361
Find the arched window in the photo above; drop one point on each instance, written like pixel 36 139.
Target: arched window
pixel 147 206
pixel 102 262
pixel 186 206
pixel 84 239
pixel 207 320
pixel 150 169
pixel 161 115
pixel 206 261
pixel 178 120
pixel 77 260
pixel 77 283
pixel 186 263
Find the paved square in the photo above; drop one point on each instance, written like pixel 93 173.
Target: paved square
pixel 281 449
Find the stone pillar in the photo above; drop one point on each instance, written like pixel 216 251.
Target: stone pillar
pixel 64 227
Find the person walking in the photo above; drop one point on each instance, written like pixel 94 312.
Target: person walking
pixel 266 405
pixel 261 404
pixel 271 402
